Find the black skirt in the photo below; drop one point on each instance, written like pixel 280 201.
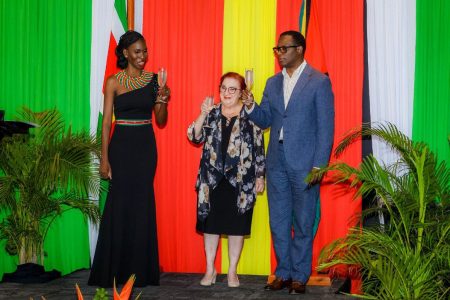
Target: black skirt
pixel 224 217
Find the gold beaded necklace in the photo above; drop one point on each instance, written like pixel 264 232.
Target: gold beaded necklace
pixel 133 83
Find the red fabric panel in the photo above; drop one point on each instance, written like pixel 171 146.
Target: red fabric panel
pixel 337 29
pixel 111 59
pixel 314 54
pixel 111 68
pixel 185 38
pixel 288 14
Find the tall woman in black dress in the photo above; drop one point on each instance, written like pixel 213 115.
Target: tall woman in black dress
pixel 127 241
pixel 231 173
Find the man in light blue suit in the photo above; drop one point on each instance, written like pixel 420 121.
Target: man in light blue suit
pixel 298 106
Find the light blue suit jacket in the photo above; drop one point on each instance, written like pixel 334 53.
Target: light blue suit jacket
pixel 307 122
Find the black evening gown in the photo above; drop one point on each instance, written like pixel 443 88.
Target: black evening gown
pixel 127 241
pixel 223 217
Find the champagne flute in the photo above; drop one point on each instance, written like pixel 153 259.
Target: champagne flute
pixel 162 77
pixel 249 78
pixel 210 102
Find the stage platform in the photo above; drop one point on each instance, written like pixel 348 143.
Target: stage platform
pixel 173 286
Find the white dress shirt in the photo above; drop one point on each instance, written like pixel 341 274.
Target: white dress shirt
pixel 289 83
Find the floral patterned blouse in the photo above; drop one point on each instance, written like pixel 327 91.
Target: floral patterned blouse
pixel 244 161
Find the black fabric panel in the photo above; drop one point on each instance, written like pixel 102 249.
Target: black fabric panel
pixel 308 12
pixel 367 201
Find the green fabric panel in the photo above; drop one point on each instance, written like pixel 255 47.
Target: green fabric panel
pixel 121 8
pixel 300 19
pixel 45 48
pixel 431 117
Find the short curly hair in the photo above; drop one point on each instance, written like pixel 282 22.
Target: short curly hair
pixel 126 40
pixel 235 76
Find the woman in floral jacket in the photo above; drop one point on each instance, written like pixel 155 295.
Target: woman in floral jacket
pixel 231 172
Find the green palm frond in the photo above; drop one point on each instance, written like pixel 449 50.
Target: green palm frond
pixel 42 175
pixel 387 132
pixel 389 269
pixel 50 123
pixel 409 256
pixel 7 200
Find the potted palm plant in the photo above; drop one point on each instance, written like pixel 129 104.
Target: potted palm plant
pixel 43 174
pixel 407 257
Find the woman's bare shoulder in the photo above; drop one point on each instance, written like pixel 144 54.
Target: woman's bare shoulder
pixel 112 82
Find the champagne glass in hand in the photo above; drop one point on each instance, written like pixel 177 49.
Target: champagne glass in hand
pixel 249 79
pixel 162 77
pixel 164 91
pixel 248 97
pixel 207 105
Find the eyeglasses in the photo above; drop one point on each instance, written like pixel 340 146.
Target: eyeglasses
pixel 283 49
pixel 231 90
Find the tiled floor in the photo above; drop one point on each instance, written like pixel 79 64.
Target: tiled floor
pixel 173 286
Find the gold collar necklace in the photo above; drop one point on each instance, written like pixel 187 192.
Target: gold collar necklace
pixel 133 83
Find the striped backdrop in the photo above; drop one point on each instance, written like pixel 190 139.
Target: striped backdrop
pixel 407 70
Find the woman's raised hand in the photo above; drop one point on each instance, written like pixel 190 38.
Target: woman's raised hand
pixel 247 98
pixel 207 105
pixel 163 94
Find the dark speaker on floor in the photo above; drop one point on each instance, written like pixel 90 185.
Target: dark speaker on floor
pixel 30 273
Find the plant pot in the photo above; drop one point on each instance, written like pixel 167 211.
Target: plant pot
pixel 30 273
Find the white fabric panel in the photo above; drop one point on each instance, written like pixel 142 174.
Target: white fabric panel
pixel 117 27
pixel 102 12
pixel 138 15
pixel 391 36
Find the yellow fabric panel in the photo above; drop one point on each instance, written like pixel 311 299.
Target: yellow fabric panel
pixel 249 33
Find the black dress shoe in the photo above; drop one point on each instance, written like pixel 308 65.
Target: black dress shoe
pixel 278 284
pixel 297 287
